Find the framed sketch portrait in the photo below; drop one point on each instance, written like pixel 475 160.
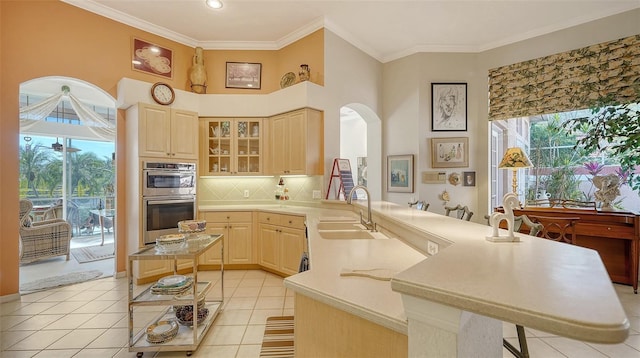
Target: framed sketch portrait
pixel 450 152
pixel 448 107
pixel 400 173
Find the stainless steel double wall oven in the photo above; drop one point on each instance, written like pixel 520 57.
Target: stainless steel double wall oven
pixel 168 196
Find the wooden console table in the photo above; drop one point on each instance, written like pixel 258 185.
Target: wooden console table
pixel 615 235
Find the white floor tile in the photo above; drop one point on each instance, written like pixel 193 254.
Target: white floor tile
pixel 224 335
pixel 249 351
pixel 57 353
pixel 40 339
pixel 37 322
pixel 253 334
pixel 70 321
pixel 231 317
pixel 112 338
pixel 79 338
pixel 95 353
pixel 103 320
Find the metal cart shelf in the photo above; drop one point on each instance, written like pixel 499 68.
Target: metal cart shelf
pixel 189 337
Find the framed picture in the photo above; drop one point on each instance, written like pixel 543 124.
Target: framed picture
pixel 151 58
pixel 450 152
pixel 243 75
pixel 468 178
pixel 362 170
pixel 448 107
pixel 400 173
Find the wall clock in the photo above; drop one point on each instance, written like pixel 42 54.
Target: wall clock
pixel 162 93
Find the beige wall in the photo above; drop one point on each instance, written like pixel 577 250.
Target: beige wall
pixel 48 38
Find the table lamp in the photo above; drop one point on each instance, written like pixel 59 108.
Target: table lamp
pixel 515 158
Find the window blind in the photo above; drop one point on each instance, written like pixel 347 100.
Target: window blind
pixel 566 81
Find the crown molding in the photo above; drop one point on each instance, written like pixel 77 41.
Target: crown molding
pixel 126 19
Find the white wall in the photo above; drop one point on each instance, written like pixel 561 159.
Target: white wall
pixel 352 78
pixel 352 142
pixel 407 121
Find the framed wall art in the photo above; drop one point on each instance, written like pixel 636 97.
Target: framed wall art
pixel 243 75
pixel 448 107
pixel 151 58
pixel 400 173
pixel 469 178
pixel 450 152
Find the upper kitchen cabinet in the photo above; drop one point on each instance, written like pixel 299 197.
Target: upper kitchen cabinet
pixel 163 132
pixel 296 142
pixel 231 146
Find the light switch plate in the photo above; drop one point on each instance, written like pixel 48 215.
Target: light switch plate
pixel 246 193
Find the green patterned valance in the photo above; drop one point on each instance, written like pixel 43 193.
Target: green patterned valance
pixel 566 81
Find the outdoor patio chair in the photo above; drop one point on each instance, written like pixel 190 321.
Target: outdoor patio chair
pixel 43 239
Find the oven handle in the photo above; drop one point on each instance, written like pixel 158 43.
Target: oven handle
pixel 174 201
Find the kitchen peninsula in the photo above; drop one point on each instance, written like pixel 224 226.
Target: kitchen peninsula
pixel 561 289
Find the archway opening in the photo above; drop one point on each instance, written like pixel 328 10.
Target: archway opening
pixel 67 154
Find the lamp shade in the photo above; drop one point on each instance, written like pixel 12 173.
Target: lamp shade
pixel 515 158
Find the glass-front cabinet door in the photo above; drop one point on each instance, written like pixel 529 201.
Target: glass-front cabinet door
pixel 248 146
pixel 234 146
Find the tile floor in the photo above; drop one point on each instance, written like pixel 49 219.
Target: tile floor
pixel 90 320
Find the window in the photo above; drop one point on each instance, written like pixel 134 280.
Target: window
pixel 559 171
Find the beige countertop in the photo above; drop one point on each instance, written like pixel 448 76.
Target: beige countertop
pixel 545 285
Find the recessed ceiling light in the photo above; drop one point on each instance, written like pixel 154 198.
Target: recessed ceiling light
pixel 214 4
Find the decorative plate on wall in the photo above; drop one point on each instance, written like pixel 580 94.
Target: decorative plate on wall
pixel 288 79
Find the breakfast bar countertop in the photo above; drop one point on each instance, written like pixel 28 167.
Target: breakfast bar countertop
pixel 549 286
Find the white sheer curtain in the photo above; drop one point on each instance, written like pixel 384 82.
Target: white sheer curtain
pixel 31 116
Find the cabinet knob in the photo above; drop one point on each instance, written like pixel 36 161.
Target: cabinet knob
pixel 290 222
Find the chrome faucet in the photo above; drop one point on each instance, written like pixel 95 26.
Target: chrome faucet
pixel 369 224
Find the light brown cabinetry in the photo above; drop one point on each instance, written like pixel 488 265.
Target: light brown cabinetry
pixel 164 132
pixel 237 228
pixel 282 241
pixel 231 146
pixel 296 142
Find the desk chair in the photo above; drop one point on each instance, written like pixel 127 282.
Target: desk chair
pixel 420 205
pixel 522 223
pixel 462 212
pixel 561 229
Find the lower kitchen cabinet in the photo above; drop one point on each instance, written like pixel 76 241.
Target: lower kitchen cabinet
pixel 282 241
pixel 237 228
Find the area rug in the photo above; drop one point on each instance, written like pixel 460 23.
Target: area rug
pixel 58 281
pixel 93 253
pixel 278 338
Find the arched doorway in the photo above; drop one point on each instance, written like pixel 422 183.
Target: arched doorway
pixel 361 142
pixel 69 125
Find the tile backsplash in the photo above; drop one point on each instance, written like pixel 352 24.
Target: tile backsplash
pixel 213 189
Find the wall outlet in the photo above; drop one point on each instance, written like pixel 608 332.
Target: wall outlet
pixel 246 193
pixel 432 248
pixel 317 194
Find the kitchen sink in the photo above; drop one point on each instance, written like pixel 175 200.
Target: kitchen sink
pixel 338 219
pixel 350 234
pixel 340 225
